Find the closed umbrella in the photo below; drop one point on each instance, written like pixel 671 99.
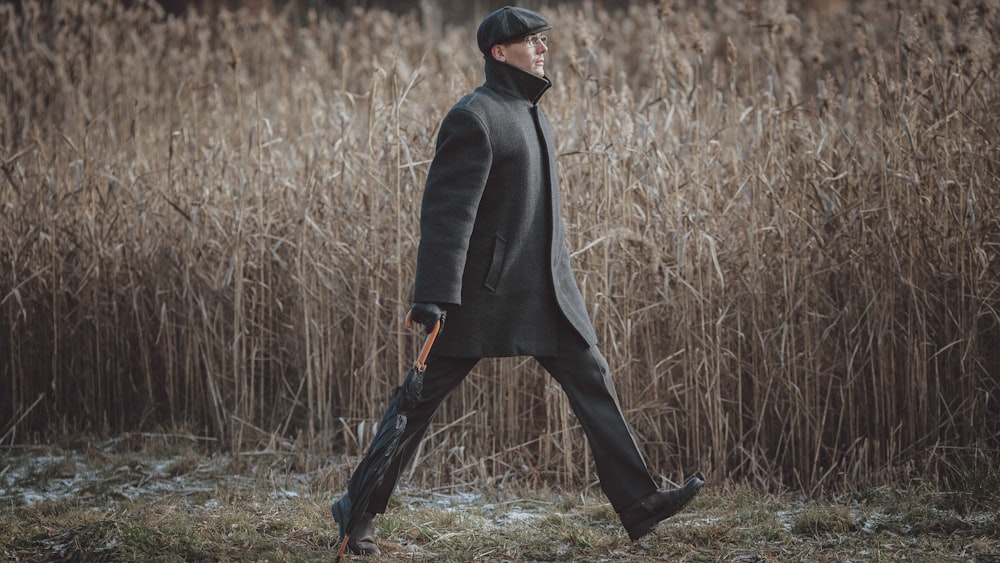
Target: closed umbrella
pixel 369 474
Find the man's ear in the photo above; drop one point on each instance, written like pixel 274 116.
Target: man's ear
pixel 497 52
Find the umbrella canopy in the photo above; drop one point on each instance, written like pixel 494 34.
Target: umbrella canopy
pixel 370 472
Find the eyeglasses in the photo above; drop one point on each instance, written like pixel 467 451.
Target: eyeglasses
pixel 534 41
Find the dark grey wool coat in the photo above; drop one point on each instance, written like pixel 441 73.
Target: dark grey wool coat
pixel 492 243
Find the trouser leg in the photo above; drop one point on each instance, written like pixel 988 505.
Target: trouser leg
pixel 441 377
pixel 584 375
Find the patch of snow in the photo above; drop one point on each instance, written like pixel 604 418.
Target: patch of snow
pixel 704 521
pixel 516 515
pixel 284 494
pixel 108 546
pixel 31 498
pixel 785 517
pixel 456 499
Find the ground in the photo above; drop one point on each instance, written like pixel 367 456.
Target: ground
pixel 164 498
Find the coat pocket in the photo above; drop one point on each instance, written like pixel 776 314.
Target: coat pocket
pixel 496 264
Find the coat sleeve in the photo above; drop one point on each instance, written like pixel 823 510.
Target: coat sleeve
pixel 455 183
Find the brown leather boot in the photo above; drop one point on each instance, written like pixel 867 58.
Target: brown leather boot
pixel 362 542
pixel 640 518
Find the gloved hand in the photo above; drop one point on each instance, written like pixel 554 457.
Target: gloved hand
pixel 428 314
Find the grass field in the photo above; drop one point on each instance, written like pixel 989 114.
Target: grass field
pixel 162 498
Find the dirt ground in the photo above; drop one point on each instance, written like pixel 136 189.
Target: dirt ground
pixel 177 502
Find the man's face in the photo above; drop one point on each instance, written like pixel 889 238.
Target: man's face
pixel 527 53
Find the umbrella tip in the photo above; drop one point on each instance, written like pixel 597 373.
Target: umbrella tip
pixel 343 546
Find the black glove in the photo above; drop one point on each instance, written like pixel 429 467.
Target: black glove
pixel 428 314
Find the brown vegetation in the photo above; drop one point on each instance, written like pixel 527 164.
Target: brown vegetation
pixel 157 497
pixel 786 225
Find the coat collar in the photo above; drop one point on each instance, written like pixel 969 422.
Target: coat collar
pixel 513 81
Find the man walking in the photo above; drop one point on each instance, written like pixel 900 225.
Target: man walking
pixel 493 262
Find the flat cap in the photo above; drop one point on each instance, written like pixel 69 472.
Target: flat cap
pixel 509 22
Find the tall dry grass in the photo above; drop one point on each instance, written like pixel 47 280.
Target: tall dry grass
pixel 783 217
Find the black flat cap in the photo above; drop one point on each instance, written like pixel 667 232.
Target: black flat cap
pixel 509 22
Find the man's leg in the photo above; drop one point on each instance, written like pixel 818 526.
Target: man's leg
pixel 440 379
pixel 583 373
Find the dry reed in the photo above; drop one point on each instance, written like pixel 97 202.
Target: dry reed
pixel 783 217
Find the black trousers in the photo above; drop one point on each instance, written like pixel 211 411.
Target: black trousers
pixel 583 374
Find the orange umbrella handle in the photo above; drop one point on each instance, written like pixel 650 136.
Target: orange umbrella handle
pixel 428 342
pixel 343 546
